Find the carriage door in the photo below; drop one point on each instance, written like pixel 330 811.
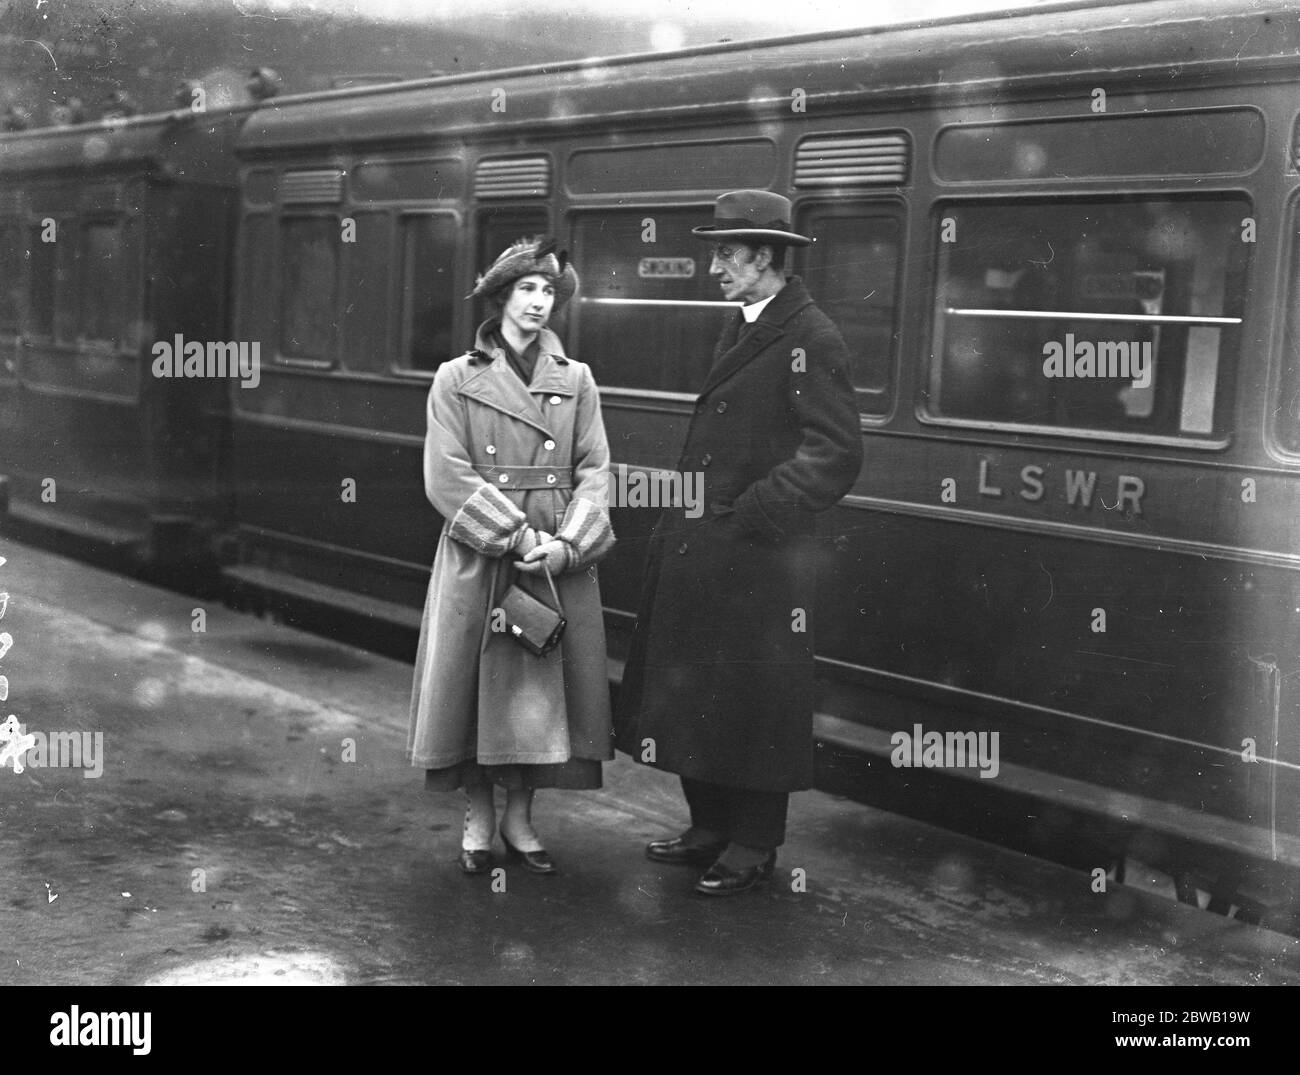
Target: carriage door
pixel 850 205
pixel 852 273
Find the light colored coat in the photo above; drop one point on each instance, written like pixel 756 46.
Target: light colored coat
pixel 477 693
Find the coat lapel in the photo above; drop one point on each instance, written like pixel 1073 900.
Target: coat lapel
pixel 769 327
pixel 551 377
pixel 496 385
pixel 730 334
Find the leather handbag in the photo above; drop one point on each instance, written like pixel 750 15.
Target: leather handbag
pixel 531 621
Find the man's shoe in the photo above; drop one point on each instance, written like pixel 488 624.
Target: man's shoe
pixel 678 852
pixel 475 861
pixel 720 880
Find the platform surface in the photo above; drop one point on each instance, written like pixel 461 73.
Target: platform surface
pixel 227 839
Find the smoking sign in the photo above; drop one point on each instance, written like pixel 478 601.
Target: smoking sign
pixel 666 268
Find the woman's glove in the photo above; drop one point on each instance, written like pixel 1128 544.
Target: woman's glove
pixel 529 540
pixel 552 553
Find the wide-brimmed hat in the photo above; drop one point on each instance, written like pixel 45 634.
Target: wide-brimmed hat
pixel 756 216
pixel 525 257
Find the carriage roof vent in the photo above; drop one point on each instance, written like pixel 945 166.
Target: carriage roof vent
pixel 312 185
pixel 851 160
pixel 513 177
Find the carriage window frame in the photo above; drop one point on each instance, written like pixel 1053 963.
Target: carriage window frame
pixel 32 328
pixel 1283 392
pixel 284 357
pixel 256 308
pixel 402 276
pixel 113 295
pixel 13 274
pixel 873 404
pixel 355 304
pixel 695 212
pixel 1228 343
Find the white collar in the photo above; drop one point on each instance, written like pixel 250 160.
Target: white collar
pixel 750 313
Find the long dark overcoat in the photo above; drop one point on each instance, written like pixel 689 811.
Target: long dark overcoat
pixel 720 675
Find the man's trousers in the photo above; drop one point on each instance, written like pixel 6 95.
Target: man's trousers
pixel 741 815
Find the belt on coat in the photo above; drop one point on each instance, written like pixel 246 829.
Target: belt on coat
pixel 527 477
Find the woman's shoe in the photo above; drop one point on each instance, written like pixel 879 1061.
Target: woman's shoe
pixel 534 861
pixel 475 861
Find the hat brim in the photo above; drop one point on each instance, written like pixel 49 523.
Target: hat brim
pixel 758 235
pixel 565 287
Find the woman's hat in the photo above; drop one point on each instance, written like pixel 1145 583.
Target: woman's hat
pixel 525 257
pixel 756 216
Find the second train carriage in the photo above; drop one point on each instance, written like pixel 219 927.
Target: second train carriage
pixel 115 236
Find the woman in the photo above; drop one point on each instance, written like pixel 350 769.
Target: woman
pixel 516 462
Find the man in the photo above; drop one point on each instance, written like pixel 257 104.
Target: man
pixel 718 687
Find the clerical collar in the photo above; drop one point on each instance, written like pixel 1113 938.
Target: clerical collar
pixel 750 313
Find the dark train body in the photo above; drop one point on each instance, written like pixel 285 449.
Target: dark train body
pixel 1105 571
pixel 113 236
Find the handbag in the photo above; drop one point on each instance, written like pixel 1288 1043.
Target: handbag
pixel 531 621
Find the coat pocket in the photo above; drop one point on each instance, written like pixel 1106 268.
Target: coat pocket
pixel 723 517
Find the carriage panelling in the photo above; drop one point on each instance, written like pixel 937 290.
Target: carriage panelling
pixel 1157 220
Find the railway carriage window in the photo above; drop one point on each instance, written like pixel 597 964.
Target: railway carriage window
pixel 1118 316
pixel 100 277
pixel 11 277
pixel 255 273
pixel 42 259
pixel 648 311
pixel 428 292
pixel 851 272
pixel 309 316
pixel 65 284
pixel 1286 409
pixel 365 313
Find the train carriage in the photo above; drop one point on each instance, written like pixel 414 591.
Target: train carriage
pixel 1063 247
pixel 1101 569
pixel 114 236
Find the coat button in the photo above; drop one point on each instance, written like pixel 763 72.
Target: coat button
pixel 549 445
pixel 555 400
pixel 491 449
pixel 722 407
pixel 504 478
pixel 706 460
pixel 550 479
pixel 682 548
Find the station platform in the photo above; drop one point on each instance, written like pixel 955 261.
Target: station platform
pixel 228 839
